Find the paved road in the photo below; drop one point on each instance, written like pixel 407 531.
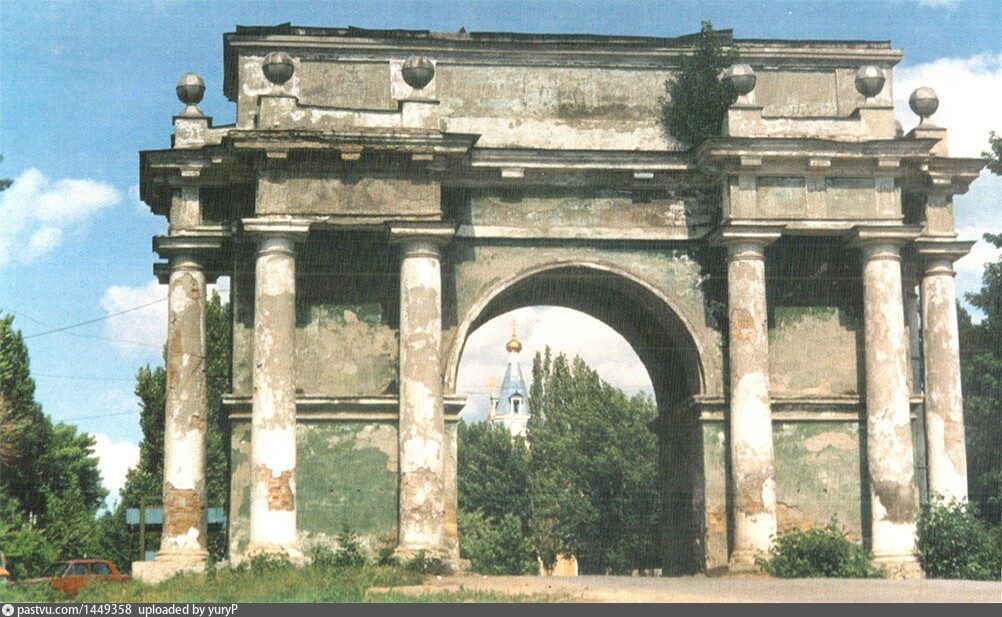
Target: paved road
pixel 729 589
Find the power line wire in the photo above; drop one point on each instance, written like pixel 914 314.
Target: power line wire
pixel 90 321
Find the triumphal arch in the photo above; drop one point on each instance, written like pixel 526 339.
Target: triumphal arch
pixel 788 284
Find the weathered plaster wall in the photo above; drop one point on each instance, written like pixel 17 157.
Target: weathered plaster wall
pixel 828 197
pixel 345 350
pixel 346 480
pixel 346 331
pixel 345 195
pixel 815 318
pixel 553 212
pixel 817 475
pixel 810 94
pixel 812 352
pixel 715 493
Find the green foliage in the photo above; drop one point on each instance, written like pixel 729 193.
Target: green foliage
pixel 496 546
pixel 70 524
pixel 423 564
pixel 695 100
pixel 28 550
pixel 4 182
pixel 953 543
pixel 594 471
pixel 48 474
pixel 994 153
pixel 981 371
pixel 819 553
pixel 493 471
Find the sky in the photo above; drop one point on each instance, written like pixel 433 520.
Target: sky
pixel 84 86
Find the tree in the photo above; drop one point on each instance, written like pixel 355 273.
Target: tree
pixel 4 182
pixel 50 486
pixel 994 153
pixel 493 472
pixel 981 371
pixel 695 100
pixel 593 471
pixel 26 432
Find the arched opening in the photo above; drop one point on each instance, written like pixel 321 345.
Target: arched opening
pixel 669 355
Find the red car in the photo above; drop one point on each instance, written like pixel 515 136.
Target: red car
pixel 71 576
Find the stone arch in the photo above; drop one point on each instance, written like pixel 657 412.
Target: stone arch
pixel 670 350
pixel 676 322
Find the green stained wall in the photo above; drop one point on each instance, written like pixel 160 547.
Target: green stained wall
pixel 715 494
pixel 817 475
pixel 346 479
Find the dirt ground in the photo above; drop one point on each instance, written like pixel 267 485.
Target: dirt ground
pixel 723 589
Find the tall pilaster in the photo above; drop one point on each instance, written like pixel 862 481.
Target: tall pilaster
pixel 890 457
pixel 750 418
pixel 422 440
pixel 944 411
pixel 273 415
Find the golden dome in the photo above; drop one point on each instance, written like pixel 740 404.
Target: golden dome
pixel 514 344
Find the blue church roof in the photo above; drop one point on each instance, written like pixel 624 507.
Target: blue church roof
pixel 513 384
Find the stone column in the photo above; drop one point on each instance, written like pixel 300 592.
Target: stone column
pixel 422 428
pixel 184 524
pixel 750 419
pixel 273 422
pixel 944 412
pixel 890 458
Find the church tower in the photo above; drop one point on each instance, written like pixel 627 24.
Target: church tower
pixel 510 408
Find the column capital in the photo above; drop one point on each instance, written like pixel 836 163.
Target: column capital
pixel 276 227
pixel 883 236
pixel 189 250
pixel 438 233
pixel 935 250
pixel 745 241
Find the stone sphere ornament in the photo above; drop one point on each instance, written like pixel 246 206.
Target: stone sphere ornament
pixel 924 102
pixel 278 67
pixel 870 81
pixel 740 77
pixel 417 71
pixel 190 90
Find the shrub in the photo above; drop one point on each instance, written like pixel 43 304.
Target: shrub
pixel 954 543
pixel 422 564
pixel 496 547
pixel 819 553
pixel 349 553
pixel 695 100
pixel 28 551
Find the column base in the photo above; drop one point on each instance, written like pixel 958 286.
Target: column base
pixel 168 565
pixel 743 562
pixel 450 557
pixel 290 553
pixel 903 566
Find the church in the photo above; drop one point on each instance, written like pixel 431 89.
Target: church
pixel 510 406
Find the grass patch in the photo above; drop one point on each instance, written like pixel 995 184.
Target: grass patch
pixel 270 581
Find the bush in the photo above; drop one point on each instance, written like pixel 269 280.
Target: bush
pixel 496 547
pixel 954 543
pixel 28 552
pixel 819 553
pixel 422 564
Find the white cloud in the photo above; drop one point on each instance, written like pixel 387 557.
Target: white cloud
pixel 146 327
pixel 969 92
pixel 939 4
pixel 136 329
pixel 565 330
pixel 35 211
pixel 115 458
